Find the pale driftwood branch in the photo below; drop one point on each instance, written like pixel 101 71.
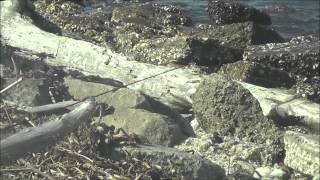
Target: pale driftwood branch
pixel 50 107
pixel 11 85
pixel 285 105
pixel 38 138
pixel 15 67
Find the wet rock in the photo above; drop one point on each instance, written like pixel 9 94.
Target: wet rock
pixel 257 74
pixel 150 15
pixel 302 152
pixel 132 108
pixel 299 57
pixel 225 107
pixel 228 12
pixel 172 163
pixel 29 92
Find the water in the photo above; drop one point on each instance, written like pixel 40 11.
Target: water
pixel 289 17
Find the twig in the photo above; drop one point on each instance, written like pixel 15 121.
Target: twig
pixel 15 67
pixel 35 170
pixel 59 43
pixel 139 176
pixel 11 85
pixel 29 122
pixel 46 160
pixel 75 153
pixel 5 110
pixel 15 170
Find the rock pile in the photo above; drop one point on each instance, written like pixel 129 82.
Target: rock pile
pixel 234 103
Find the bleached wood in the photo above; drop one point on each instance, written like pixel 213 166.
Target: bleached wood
pixel 38 138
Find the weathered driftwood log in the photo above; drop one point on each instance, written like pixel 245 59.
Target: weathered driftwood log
pixel 172 88
pixel 38 138
pixel 285 105
pixel 50 107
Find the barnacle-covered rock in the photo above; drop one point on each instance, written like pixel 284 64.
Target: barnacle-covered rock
pixel 225 107
pixel 74 22
pixel 300 57
pixel 258 74
pixel 302 152
pixel 206 45
pixel 240 34
pixel 309 88
pixel 150 15
pixel 156 34
pixel 230 11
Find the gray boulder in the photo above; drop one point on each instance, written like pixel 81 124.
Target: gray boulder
pixel 172 163
pixel 155 128
pixel 123 98
pixel 134 112
pixel 230 11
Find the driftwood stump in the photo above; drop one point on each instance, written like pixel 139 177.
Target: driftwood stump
pixel 38 138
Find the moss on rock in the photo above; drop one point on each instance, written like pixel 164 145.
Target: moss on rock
pixel 223 106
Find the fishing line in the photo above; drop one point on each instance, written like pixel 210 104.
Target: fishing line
pixel 125 86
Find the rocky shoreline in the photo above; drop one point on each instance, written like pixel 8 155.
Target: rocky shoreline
pixel 236 101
